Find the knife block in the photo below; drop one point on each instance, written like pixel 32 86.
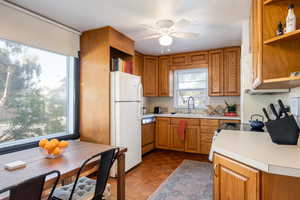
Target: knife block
pixel 284 130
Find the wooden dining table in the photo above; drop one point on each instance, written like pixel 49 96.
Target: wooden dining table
pixel 68 164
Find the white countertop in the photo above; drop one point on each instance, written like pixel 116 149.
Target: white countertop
pixel 179 115
pixel 257 150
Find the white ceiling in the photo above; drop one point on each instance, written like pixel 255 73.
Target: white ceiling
pixel 218 21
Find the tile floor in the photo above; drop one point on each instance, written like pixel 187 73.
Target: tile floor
pixel 156 166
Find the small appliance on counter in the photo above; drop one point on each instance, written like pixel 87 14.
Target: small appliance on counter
pixel 157 110
pixel 257 124
pixel 284 128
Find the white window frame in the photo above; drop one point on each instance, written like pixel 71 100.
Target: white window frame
pixel 176 86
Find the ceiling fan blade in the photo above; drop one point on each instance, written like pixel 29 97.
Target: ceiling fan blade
pixel 148 37
pixel 151 28
pixel 181 24
pixel 186 35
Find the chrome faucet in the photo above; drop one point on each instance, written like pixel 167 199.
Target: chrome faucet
pixel 189 104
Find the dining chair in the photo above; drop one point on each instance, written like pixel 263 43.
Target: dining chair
pixel 85 188
pixel 32 189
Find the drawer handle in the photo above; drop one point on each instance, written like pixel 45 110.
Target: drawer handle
pixel 215 173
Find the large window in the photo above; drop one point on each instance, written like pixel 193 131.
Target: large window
pixel 190 83
pixel 36 94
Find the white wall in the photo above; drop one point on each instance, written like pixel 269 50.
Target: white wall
pixel 251 104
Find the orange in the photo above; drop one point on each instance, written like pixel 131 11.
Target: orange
pixel 55 142
pixel 43 142
pixel 56 151
pixel 49 147
pixel 63 144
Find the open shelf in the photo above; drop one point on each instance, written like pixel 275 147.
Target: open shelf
pixel 288 36
pixel 283 83
pixel 271 1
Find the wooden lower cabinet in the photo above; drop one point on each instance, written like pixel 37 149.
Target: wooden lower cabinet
pixel 148 137
pixel 176 142
pixel 234 181
pixel 192 139
pixel 162 139
pixel 198 134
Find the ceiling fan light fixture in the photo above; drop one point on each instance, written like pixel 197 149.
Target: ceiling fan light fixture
pixel 165 40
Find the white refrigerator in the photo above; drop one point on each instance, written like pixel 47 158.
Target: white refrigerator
pixel 126 114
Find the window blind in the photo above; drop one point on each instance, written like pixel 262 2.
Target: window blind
pixel 27 29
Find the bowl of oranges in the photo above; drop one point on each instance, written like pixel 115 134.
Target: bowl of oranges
pixel 53 148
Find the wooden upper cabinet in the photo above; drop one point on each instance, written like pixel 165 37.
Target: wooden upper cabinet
pixel 179 59
pixel 232 72
pixel 120 41
pixel 274 58
pixel 138 64
pixel 165 77
pixel 215 73
pixel 199 58
pixel 150 76
pixel 233 180
pixel 162 139
pixel 189 60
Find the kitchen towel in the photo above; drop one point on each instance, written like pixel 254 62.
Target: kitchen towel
pixel 181 129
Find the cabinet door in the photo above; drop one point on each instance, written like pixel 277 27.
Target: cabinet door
pixel 192 139
pixel 162 139
pixel 232 71
pixel 164 77
pixel 150 76
pixel 176 142
pixel 234 181
pixel 199 58
pixel 148 133
pixel 138 64
pixel 179 59
pixel 215 73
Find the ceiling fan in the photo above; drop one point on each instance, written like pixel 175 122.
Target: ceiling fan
pixel 166 29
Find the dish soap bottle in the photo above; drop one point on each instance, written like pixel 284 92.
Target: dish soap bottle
pixel 291 19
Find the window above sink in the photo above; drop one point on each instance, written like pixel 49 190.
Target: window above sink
pixel 191 83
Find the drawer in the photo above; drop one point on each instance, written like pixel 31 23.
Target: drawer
pixel 208 129
pixel 147 148
pixel 206 138
pixel 210 122
pixel 229 121
pixel 190 122
pixel 205 148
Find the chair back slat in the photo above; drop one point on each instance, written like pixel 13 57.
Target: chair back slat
pixel 32 189
pixel 106 160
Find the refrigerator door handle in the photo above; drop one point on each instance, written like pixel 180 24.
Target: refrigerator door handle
pixel 140 92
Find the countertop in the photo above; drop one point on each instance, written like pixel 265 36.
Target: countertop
pixel 200 116
pixel 257 150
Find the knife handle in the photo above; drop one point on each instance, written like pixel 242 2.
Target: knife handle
pixel 282 107
pixel 266 114
pixel 274 110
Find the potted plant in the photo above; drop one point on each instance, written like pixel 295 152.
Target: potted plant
pixel 230 109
